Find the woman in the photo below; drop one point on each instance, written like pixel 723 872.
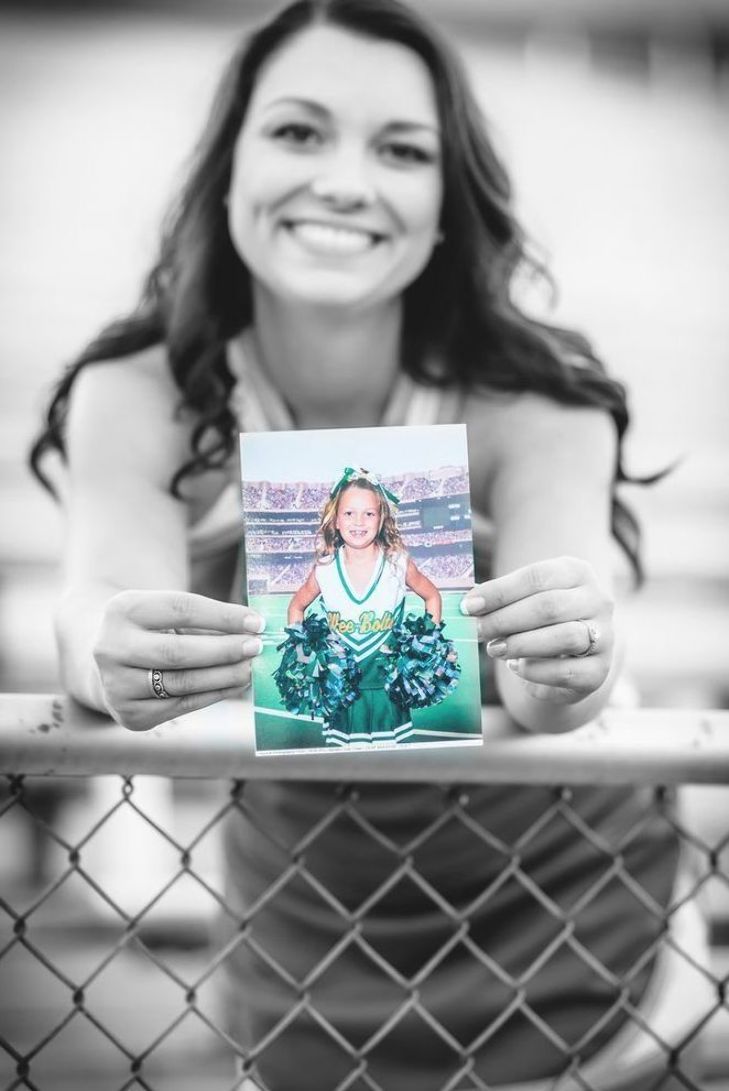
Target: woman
pixel 343 254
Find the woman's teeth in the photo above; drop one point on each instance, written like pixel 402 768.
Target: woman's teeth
pixel 329 239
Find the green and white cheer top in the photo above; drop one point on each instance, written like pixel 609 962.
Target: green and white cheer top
pixel 363 620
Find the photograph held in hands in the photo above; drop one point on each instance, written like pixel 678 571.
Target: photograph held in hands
pixel 358 551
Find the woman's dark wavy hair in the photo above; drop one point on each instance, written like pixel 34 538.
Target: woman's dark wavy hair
pixel 461 321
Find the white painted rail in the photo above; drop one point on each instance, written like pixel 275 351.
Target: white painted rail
pixel 48 734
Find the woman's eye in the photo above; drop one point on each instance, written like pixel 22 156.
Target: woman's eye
pixel 405 153
pixel 298 134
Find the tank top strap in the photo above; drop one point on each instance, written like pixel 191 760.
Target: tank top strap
pixel 414 404
pixel 256 402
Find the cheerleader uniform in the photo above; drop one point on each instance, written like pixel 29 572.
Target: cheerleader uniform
pixel 309 985
pixel 363 621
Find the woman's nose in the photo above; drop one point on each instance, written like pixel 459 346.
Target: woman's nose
pixel 343 182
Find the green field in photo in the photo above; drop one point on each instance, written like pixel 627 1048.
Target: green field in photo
pixel 277 729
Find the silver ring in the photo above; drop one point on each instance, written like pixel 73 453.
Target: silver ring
pixel 593 635
pixel 157 684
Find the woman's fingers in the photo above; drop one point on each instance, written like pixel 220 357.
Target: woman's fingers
pixel 185 610
pixel 161 654
pixel 143 715
pixel 572 676
pixel 176 631
pixel 174 651
pixel 571 638
pixel 135 684
pixel 533 579
pixel 544 609
pixel 551 623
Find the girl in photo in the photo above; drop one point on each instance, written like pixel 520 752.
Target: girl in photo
pixel 362 575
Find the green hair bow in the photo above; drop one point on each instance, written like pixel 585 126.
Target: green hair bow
pixel 355 473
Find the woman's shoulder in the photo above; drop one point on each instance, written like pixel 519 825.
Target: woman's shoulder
pixel 136 376
pixel 125 409
pixel 503 410
pixel 530 427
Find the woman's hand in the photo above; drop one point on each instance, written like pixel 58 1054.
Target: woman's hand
pixel 160 654
pixel 551 623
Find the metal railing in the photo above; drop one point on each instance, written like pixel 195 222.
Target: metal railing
pixel 158 875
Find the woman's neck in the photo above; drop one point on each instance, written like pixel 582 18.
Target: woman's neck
pixel 330 370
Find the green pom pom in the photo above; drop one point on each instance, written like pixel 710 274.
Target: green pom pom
pixel 420 668
pixel 317 673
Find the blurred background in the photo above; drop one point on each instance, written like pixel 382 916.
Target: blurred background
pixel 613 119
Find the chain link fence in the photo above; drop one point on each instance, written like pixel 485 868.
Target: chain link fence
pixel 117 929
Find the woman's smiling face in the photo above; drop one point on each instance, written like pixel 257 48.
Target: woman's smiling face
pixel 336 187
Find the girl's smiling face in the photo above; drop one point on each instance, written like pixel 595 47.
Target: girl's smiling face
pixel 359 516
pixel 336 187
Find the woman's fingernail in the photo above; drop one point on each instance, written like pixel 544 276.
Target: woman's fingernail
pixel 495 648
pixel 472 605
pixel 254 623
pixel 253 646
pixel 513 665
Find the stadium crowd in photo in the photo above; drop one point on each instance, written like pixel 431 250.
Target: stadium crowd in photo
pixel 434 519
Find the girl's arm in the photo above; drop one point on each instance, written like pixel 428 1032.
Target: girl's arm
pixel 307 593
pixel 421 585
pixel 550 491
pixel 125 604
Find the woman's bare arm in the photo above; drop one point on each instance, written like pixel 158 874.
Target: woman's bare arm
pixel 550 493
pixel 126 565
